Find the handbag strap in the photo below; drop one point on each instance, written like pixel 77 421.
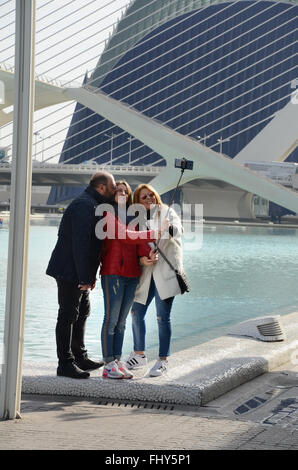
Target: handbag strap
pixel 165 258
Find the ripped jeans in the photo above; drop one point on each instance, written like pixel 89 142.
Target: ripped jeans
pixel 118 294
pixel 163 311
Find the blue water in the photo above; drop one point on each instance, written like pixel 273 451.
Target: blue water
pixel 236 273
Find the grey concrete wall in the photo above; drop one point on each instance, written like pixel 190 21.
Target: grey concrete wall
pixel 220 202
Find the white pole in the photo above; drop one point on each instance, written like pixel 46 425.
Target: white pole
pixel 112 137
pixel 111 147
pixel 35 144
pixel 129 153
pixel 221 140
pixel 220 144
pixel 21 176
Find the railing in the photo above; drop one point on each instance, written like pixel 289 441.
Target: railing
pixel 93 167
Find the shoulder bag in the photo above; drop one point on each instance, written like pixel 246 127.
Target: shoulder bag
pixel 180 275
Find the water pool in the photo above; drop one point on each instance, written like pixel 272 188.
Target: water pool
pixel 236 273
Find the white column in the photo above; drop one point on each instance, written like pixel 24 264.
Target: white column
pixel 21 176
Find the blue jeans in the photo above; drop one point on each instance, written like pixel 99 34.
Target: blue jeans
pixel 163 311
pixel 118 294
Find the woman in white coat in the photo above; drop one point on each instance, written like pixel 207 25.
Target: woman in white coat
pixel 157 281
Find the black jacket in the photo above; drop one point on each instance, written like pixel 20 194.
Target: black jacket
pixel 75 257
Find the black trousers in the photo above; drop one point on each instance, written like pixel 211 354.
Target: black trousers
pixel 74 309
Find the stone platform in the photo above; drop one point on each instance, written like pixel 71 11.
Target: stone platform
pixel 196 375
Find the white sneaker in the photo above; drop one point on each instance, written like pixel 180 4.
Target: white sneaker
pixel 159 368
pixel 135 361
pixel 111 371
pixel 122 367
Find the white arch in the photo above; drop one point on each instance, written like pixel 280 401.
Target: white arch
pixel 272 143
pixel 277 140
pixel 170 145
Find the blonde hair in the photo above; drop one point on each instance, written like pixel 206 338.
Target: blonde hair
pixel 136 194
pixel 129 191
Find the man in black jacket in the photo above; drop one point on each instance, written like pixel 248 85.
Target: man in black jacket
pixel 74 263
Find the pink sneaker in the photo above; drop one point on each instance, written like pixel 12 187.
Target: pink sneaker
pixel 111 371
pixel 122 367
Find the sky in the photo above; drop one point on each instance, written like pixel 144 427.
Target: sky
pixel 70 37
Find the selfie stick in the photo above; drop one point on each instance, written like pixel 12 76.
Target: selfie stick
pixel 171 202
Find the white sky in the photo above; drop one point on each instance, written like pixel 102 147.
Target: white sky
pixel 70 37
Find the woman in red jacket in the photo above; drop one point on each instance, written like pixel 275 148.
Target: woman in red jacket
pixel 120 272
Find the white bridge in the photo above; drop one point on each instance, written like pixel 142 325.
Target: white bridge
pixel 48 174
pixel 51 174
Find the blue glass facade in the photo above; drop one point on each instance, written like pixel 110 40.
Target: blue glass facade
pixel 218 72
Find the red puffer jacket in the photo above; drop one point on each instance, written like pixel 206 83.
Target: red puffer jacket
pixel 120 255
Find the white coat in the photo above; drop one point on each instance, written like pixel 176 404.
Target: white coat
pixel 164 277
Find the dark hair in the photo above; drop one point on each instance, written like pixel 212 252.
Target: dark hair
pixel 99 178
pixel 129 191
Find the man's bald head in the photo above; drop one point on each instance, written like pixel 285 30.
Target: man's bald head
pixel 103 182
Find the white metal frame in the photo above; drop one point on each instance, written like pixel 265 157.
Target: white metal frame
pixel 11 380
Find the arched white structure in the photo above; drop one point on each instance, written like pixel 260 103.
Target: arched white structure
pixel 277 140
pixel 171 144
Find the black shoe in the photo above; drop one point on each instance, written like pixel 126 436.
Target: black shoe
pixel 87 364
pixel 72 370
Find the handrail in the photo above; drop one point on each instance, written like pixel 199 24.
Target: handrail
pixel 93 167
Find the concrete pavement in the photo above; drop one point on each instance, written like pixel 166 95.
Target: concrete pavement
pixel 69 423
pixel 237 393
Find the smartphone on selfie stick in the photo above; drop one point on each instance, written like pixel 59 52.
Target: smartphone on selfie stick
pixel 184 165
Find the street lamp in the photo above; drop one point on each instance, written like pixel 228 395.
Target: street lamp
pixel 129 153
pixel 41 139
pixel 202 138
pixel 111 151
pixel 42 154
pixel 220 141
pixel 35 143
